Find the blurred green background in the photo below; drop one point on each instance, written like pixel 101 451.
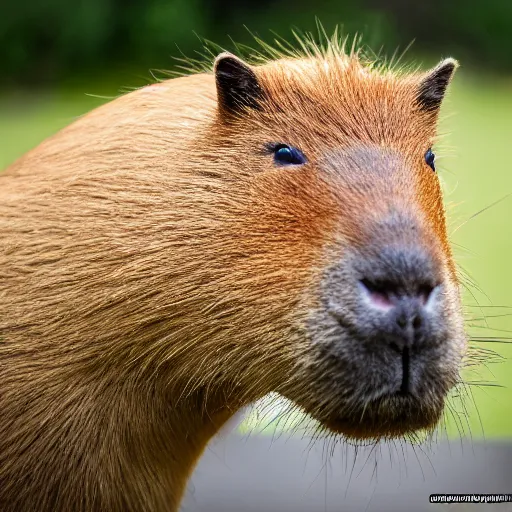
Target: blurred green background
pixel 61 58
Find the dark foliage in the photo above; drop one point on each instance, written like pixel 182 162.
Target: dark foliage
pixel 44 41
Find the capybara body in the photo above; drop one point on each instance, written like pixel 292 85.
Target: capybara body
pixel 196 244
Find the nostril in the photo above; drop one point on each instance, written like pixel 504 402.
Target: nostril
pixel 416 323
pixel 386 294
pixel 424 293
pixel 377 295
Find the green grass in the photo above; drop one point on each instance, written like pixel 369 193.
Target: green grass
pixel 474 164
pixel 477 173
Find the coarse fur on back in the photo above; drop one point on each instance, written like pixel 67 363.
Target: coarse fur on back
pixel 159 271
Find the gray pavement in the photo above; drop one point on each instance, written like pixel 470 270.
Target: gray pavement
pixel 261 474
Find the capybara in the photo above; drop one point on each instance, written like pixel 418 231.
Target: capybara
pixel 196 244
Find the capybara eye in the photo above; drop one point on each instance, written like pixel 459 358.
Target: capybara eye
pixel 288 155
pixel 430 159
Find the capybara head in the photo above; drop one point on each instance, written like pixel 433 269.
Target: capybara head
pixel 339 265
pixel 195 245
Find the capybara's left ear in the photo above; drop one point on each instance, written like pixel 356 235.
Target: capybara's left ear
pixel 432 87
pixel 238 87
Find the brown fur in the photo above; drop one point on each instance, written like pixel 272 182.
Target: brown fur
pixel 155 271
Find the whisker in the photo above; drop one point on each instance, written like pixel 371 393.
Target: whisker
pixel 482 211
pixel 478 319
pixel 491 339
pixel 474 326
pixel 485 384
pixel 488 306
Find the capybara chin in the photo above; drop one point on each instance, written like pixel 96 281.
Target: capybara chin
pixel 196 244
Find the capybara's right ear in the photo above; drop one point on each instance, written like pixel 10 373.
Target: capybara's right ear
pixel 238 87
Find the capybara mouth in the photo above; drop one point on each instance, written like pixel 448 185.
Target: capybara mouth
pixel 372 394
pixel 375 411
pixel 389 416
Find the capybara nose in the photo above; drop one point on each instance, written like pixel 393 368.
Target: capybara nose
pixel 399 292
pixel 404 314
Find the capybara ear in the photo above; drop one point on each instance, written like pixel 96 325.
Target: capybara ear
pixel 238 87
pixel 433 85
